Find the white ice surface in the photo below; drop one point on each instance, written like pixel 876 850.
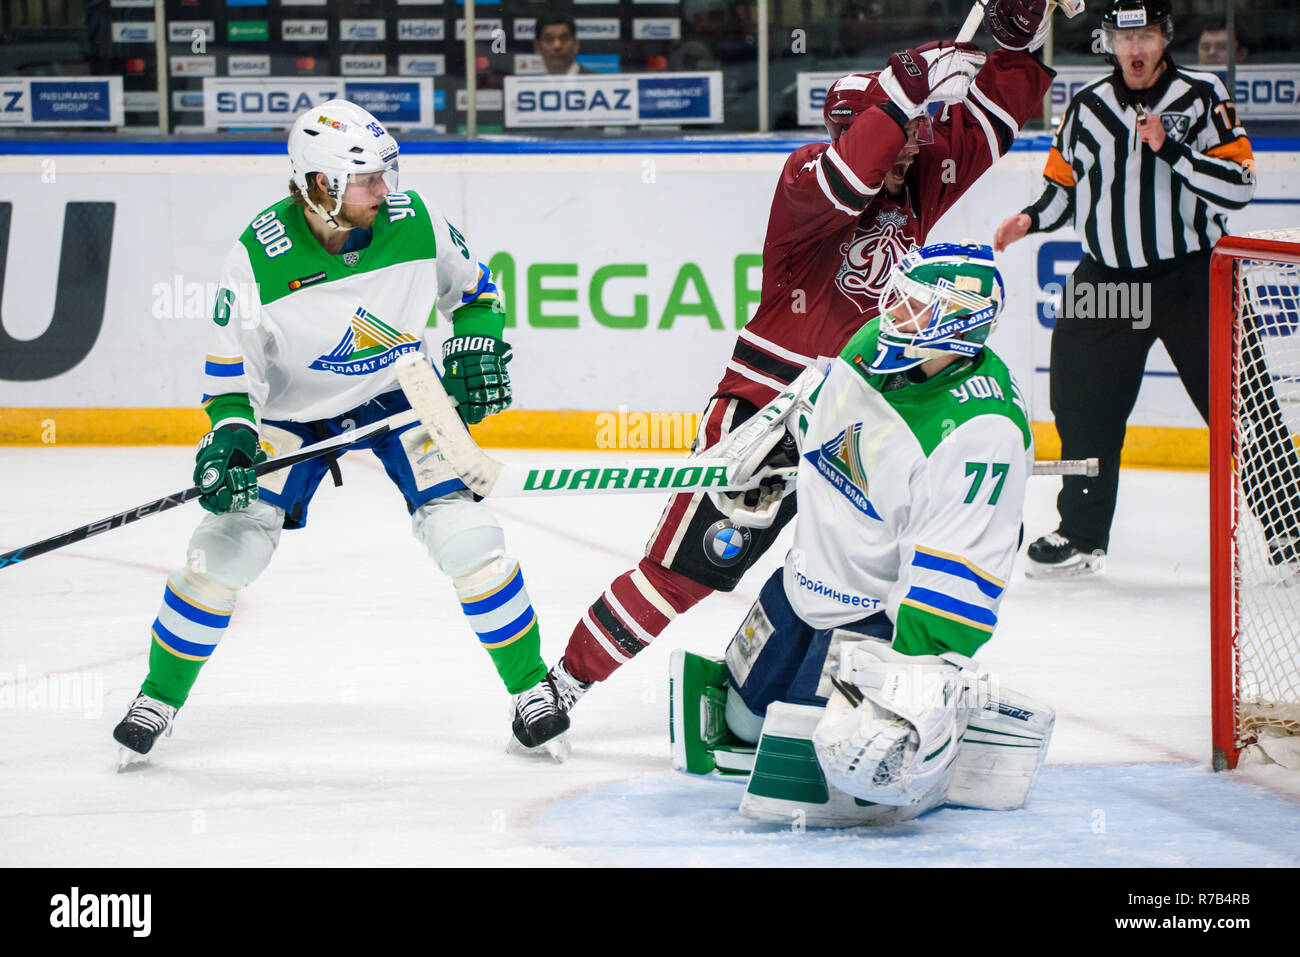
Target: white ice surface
pixel 348 717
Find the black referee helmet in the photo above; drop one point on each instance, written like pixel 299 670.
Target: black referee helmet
pixel 1134 15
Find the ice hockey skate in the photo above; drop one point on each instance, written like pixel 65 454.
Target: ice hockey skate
pixel 1055 556
pixel 569 688
pixel 146 720
pixel 539 722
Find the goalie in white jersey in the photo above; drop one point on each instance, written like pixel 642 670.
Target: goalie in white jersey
pixel 319 296
pixel 914 452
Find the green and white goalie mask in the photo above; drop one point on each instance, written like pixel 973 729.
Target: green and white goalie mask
pixel 939 300
pixel 353 150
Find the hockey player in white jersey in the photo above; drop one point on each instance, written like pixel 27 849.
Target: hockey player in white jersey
pixel 914 452
pixel 318 297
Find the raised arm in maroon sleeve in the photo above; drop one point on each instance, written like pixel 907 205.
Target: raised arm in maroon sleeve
pixel 1008 89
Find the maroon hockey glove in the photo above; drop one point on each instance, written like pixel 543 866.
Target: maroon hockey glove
pixel 1018 24
pixel 936 72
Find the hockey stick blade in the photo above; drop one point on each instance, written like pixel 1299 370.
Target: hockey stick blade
pixel 27 552
pixel 423 388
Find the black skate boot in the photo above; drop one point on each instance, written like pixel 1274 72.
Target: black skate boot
pixel 146 720
pixel 539 721
pixel 1055 556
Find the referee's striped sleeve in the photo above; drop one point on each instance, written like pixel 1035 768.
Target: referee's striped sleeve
pixel 1053 209
pixel 1220 177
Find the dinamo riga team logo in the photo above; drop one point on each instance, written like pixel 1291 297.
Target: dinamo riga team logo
pixel 369 345
pixel 725 544
pixel 869 257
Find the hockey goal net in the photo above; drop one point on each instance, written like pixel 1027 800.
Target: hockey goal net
pixel 1255 498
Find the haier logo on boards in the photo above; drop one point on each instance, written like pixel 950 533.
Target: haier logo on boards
pixel 421 30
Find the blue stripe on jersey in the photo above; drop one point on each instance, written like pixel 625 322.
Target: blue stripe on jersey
pixel 953 606
pixel 485 286
pixel 950 566
pixel 193 613
pixel 512 630
pixel 177 643
pixel 224 370
pixel 497 599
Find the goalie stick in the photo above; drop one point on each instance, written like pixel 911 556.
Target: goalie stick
pixel 488 476
pixel 180 498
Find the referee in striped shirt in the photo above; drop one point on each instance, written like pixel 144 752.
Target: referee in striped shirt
pixel 1146 163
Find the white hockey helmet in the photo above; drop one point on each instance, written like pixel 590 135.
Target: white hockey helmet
pixel 343 141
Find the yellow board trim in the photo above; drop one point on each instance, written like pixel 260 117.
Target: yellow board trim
pixel 1145 446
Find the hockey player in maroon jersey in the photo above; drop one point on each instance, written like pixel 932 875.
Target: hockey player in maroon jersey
pixel 843 214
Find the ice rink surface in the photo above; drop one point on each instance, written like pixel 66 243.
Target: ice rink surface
pixel 349 718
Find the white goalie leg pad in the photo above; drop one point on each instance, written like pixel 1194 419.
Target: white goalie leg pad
pixel 227 552
pixel 1006 740
pixel 462 535
pixel 893 723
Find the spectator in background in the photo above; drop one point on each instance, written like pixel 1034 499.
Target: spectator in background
pixel 1212 47
pixel 555 40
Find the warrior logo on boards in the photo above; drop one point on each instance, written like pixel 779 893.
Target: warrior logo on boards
pixel 839 462
pixel 871 254
pixel 368 346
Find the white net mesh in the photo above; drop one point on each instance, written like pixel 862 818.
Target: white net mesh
pixel 1266 499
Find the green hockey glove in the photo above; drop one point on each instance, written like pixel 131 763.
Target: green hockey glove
pixel 223 468
pixel 474 374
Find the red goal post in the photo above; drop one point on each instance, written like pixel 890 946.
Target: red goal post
pixel 1255 497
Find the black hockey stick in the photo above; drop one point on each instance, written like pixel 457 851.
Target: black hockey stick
pixel 351 437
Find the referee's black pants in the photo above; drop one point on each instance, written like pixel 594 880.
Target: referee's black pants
pixel 1096 371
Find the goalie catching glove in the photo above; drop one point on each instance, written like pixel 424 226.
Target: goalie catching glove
pixel 223 468
pixel 474 374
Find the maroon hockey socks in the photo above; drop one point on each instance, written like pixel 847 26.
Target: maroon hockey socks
pixel 632 612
